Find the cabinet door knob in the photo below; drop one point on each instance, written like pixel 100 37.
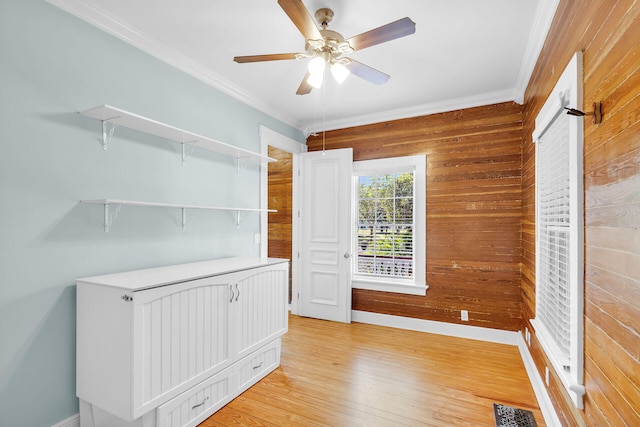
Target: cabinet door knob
pixel 231 292
pixel 346 255
pixel 238 290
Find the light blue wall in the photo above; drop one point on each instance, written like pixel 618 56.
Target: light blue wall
pixel 51 66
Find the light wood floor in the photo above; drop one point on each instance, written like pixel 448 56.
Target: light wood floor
pixel 334 374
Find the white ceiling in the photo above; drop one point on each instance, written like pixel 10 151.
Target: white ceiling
pixel 464 53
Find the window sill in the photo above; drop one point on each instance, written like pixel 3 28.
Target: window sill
pixel 561 365
pixel 388 286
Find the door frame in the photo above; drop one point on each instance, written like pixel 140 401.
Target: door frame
pixel 269 137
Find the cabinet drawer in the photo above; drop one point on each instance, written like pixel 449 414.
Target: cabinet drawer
pixel 197 404
pixel 257 365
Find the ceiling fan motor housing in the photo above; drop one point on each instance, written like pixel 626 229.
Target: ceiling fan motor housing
pixel 324 16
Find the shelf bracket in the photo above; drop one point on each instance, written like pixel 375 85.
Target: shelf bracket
pixel 107 134
pixel 240 217
pixel 240 162
pixel 184 150
pixel 110 216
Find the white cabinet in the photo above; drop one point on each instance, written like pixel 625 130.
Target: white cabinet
pixel 171 345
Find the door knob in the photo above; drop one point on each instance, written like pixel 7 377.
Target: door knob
pixel 346 255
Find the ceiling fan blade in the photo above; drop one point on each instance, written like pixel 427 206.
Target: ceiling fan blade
pixel 260 58
pixel 394 30
pixel 304 87
pixel 365 72
pixel 301 18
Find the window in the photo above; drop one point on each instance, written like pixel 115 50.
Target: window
pixel 389 225
pixel 559 231
pixel 385 225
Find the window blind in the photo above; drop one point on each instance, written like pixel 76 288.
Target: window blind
pixel 386 225
pixel 559 321
pixel 553 223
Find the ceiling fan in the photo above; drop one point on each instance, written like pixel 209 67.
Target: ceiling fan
pixel 327 47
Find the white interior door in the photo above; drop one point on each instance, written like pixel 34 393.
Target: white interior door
pixel 325 184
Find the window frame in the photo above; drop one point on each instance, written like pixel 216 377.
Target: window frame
pixel 416 164
pixel 567 93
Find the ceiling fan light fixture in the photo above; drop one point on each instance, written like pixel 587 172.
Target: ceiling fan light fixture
pixel 340 72
pixel 315 79
pixel 317 65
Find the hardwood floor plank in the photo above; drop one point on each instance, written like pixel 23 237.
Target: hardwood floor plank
pixel 228 416
pixel 333 374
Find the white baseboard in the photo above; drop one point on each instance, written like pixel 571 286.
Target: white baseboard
pixel 477 333
pixel 544 401
pixel 72 421
pixel 440 328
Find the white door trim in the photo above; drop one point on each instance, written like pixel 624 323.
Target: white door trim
pixel 269 137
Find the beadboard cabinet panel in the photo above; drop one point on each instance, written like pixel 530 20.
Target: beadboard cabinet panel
pixel 179 338
pixel 258 317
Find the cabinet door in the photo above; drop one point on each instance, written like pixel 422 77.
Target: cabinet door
pixel 259 309
pixel 180 337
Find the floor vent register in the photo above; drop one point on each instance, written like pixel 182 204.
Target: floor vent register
pixel 507 416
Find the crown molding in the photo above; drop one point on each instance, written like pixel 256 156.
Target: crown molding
pixel 105 22
pixel 541 23
pixel 414 111
pixel 543 19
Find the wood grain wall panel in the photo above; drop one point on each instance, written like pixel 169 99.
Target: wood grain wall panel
pixel 608 33
pixel 280 191
pixel 472 168
pixel 604 347
pixel 473 211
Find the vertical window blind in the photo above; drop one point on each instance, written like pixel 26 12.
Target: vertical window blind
pixel 553 229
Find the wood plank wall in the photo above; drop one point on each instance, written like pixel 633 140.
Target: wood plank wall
pixel 473 211
pixel 280 191
pixel 609 35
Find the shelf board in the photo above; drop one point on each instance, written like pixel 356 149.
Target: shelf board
pixel 107 113
pixel 110 216
pixel 171 205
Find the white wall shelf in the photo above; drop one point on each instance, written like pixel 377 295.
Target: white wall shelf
pixel 111 215
pixel 117 117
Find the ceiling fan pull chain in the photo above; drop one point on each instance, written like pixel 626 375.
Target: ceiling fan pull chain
pixel 324 116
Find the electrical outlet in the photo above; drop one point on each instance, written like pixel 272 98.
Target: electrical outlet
pixel 527 336
pixel 464 315
pixel 256 238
